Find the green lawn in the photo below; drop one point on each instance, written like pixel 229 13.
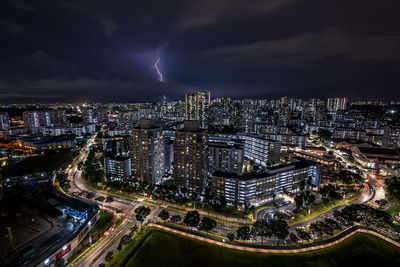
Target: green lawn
pixel 166 249
pixel 46 162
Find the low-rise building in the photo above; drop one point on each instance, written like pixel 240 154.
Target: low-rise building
pixel 371 157
pixel 255 188
pixel 118 168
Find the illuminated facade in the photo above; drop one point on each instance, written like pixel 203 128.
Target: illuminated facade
pixel 255 188
pixel 197 106
pixel 262 151
pixel 4 121
pixel 335 104
pixel 118 168
pixel 190 157
pixel 146 149
pixel 225 154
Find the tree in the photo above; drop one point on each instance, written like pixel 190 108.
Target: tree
pixel 109 256
pixel 302 185
pixel 280 229
pixel 324 134
pixel 207 224
pixel 262 229
pixel 317 228
pixel 141 213
pixel 192 218
pixel 393 187
pixel 299 201
pixel 293 237
pixel 109 199
pixel 243 232
pixel 231 236
pixel 164 215
pixel 329 225
pixel 176 218
pixel 302 234
pixel 308 198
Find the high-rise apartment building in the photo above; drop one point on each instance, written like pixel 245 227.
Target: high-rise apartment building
pixel 190 157
pixel 335 104
pixel 35 119
pixel 391 136
pixel 4 121
pixel 262 151
pixel 118 168
pixel 89 116
pixel 147 155
pixel 225 154
pixel 197 107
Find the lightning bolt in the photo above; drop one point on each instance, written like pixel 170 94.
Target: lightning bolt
pixel 158 69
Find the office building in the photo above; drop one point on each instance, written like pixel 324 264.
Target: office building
pixel 190 157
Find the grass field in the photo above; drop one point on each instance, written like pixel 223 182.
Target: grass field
pixel 47 162
pixel 173 250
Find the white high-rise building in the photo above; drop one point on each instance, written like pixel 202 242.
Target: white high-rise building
pixel 197 107
pixel 335 104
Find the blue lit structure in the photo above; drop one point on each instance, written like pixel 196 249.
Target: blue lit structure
pixel 82 215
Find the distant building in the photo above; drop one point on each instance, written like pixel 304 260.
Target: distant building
pixel 190 157
pixel 35 119
pixel 371 157
pixel 89 116
pixel 4 121
pixel 335 104
pixel 42 143
pixel 391 137
pixel 255 188
pixel 118 168
pixel 298 140
pixel 262 151
pixel 197 106
pixel 146 149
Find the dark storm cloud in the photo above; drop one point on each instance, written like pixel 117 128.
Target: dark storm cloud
pixel 106 22
pixel 79 50
pixel 10 27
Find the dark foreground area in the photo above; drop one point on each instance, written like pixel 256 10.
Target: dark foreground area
pixel 165 249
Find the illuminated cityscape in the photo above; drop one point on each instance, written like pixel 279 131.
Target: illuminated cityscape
pixel 199 133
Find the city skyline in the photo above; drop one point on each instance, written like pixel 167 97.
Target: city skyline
pixel 202 132
pixel 85 51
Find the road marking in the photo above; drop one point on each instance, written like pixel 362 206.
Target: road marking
pixel 133 210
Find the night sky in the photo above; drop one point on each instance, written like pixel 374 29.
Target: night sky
pixel 85 51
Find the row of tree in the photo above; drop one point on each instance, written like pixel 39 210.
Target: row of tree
pixel 263 229
pixel 62 179
pixel 346 217
pixel 92 171
pixel 192 219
